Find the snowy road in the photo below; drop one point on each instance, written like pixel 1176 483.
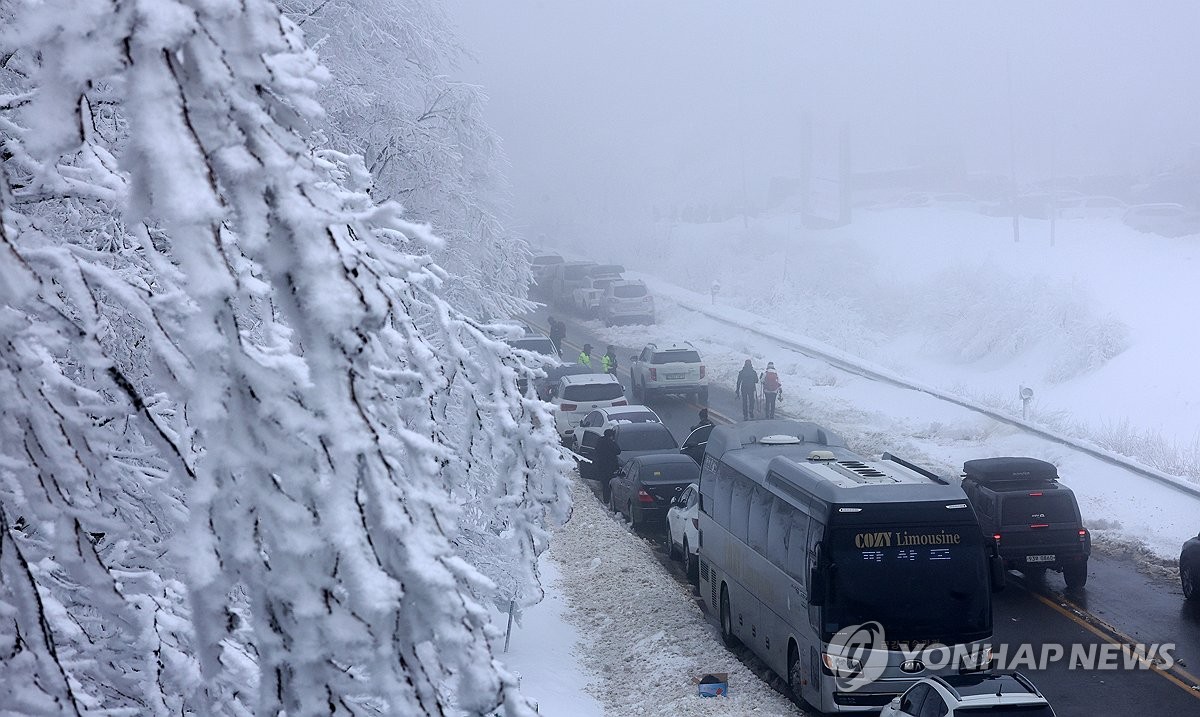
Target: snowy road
pixel 1141 604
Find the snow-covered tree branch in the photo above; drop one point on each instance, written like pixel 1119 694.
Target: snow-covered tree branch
pixel 241 406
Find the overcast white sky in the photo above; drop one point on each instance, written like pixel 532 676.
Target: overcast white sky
pixel 608 105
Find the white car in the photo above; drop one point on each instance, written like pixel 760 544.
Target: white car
pixel 625 300
pixel 586 298
pixel 976 694
pixel 603 418
pixel 683 529
pixel 577 396
pixel 671 368
pixel 1170 220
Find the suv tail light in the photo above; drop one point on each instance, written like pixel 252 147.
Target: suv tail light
pixel 620 402
pixel 1039 525
pixel 644 497
pixel 569 407
pixel 996 538
pixel 653 374
pixel 701 370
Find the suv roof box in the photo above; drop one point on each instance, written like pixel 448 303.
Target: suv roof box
pixel 1002 470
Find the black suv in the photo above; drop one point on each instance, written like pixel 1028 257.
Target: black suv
pixel 1033 518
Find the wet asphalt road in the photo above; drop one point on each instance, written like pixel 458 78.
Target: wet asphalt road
pixel 1120 604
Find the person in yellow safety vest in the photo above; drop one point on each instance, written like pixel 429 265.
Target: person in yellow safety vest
pixel 608 362
pixel 585 356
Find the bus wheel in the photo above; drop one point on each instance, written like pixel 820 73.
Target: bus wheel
pixel 795 679
pixel 727 635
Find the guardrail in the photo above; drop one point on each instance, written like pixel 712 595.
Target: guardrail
pixel 753 323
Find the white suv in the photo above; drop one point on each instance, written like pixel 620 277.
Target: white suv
pixel 626 299
pixel 577 396
pixel 674 368
pixel 975 694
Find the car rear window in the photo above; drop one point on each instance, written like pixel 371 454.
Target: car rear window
pixel 1030 509
pixel 593 392
pixel 629 291
pixel 646 440
pixel 639 417
pixel 675 357
pixel 672 472
pixel 575 273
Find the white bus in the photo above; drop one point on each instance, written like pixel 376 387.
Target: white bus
pixel 801 539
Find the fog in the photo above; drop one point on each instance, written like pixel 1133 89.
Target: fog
pixel 612 109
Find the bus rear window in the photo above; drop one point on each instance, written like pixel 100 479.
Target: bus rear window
pixel 1031 509
pixel 593 392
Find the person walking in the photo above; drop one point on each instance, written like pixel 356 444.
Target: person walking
pixel 606 459
pixel 772 389
pixel 585 356
pixel 747 381
pixel 704 420
pixel 608 362
pixel 558 334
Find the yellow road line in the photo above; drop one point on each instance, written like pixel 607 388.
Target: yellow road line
pixel 1087 625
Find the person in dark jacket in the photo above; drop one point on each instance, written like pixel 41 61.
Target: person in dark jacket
pixel 606 457
pixel 558 334
pixel 704 420
pixel 747 380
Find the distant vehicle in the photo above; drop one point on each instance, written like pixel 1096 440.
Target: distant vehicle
pixel 565 278
pixel 540 265
pixel 802 538
pixel 683 528
pixel 578 395
pixel 1034 206
pixel 624 300
pixel 537 344
pixel 695 443
pixel 671 368
pixel 1091 208
pixel 980 694
pixel 600 419
pixel 545 386
pixel 587 298
pixel 1189 569
pixel 1169 220
pixel 645 487
pixel 1033 518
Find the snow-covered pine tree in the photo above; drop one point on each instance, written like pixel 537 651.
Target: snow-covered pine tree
pixel 307 385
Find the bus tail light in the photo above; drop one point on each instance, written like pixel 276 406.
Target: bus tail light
pixel 696 523
pixel 653 374
pixel 644 497
pixel 569 407
pixel 620 402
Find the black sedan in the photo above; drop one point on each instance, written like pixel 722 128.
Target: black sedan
pixel 644 488
pixel 1189 569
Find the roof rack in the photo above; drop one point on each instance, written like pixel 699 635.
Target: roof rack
pixel 914 467
pixel 1010 470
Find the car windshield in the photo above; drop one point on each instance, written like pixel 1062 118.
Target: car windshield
pixel 646 440
pixel 629 291
pixel 670 473
pixel 679 356
pixel 593 392
pixel 540 345
pixel 1007 711
pixel 1034 509
pixel 918 582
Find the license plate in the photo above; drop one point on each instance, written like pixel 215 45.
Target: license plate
pixel 676 376
pixel 1039 558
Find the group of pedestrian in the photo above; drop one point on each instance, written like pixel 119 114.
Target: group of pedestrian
pixel 608 362
pixel 748 383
